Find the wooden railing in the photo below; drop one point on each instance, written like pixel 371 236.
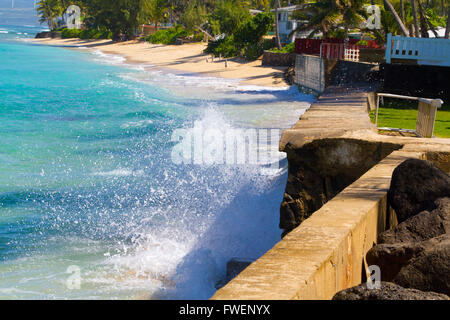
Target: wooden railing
pixel 426 115
pixel 423 50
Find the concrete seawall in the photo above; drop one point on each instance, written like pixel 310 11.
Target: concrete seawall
pixel 316 74
pixel 326 252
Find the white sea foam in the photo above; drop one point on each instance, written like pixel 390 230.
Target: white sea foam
pixel 136 224
pixel 137 124
pixel 15 291
pixel 181 249
pixel 4 31
pixel 261 88
pixel 120 172
pixel 113 59
pixel 116 59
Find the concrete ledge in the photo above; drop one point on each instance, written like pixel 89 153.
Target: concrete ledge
pixel 325 254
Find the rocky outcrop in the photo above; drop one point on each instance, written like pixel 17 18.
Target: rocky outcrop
pixel 416 253
pixel 429 270
pixel 415 186
pixel 49 34
pixel 423 265
pixel 391 258
pixel 278 59
pixel 319 170
pixel 387 291
pixel 421 227
pixel 289 75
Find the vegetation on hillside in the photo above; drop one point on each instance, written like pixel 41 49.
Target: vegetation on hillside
pixel 232 30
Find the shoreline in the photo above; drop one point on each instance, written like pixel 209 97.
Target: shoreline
pixel 187 58
pixel 204 218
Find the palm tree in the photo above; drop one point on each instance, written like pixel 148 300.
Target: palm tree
pixel 397 18
pixel 48 11
pixel 447 28
pixel 64 5
pixel 321 16
pixel 324 15
pixel 416 20
pixel 402 10
pixel 353 13
pixel 156 10
pixel 277 24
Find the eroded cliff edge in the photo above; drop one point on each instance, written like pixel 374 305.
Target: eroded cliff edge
pixel 319 170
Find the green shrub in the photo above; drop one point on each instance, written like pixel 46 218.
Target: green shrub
pixel 227 16
pixel 198 37
pixel 212 45
pixel 268 44
pixel 226 48
pixel 246 39
pixel 105 34
pixel 362 43
pixel 290 48
pixel 168 36
pixel 253 51
pixel 252 30
pixel 70 33
pixel 86 34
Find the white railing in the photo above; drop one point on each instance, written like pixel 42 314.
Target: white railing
pixel 351 53
pixel 424 50
pixel 339 51
pixel 426 115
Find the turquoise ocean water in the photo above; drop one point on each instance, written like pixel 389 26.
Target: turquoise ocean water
pixel 88 189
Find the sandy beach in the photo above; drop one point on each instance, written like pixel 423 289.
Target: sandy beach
pixel 186 57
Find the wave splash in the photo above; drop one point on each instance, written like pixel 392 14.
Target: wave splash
pixel 180 250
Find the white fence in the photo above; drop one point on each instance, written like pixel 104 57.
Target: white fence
pixel 424 50
pixel 339 51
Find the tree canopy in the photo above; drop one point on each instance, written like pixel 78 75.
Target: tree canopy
pixel 214 17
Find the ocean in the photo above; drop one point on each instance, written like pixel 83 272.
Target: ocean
pixel 93 204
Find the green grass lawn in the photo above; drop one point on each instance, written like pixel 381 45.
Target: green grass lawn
pixel 403 114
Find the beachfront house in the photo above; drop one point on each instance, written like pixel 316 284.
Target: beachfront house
pixel 287 24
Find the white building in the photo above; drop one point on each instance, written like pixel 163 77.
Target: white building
pixel 287 24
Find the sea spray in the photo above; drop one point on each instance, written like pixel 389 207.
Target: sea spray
pixel 87 180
